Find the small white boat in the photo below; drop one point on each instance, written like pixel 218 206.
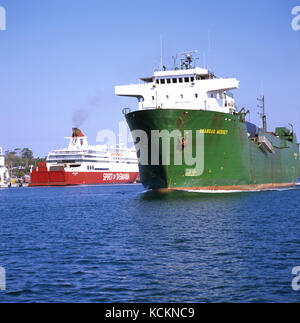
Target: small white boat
pixel 4 174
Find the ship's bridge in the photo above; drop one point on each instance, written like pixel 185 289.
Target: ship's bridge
pixel 183 88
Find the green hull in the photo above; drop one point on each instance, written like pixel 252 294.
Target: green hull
pixel 231 159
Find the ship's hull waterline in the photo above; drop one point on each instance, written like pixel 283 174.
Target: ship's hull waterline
pixel 232 159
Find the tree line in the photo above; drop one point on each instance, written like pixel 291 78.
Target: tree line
pixel 19 161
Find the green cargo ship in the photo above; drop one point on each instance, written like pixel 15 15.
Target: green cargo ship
pixel 189 135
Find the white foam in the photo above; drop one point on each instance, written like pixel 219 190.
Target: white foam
pixel 238 191
pixel 213 192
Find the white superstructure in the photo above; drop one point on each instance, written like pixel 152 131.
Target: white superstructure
pixel 4 174
pixel 81 157
pixel 187 87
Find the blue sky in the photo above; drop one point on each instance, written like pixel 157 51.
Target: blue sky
pixel 61 56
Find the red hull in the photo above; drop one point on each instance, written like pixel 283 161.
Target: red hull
pixel 43 177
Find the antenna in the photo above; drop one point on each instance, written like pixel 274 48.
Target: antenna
pixel 263 114
pixel 209 50
pixel 262 87
pixel 190 52
pixel 175 60
pixel 187 62
pixel 161 53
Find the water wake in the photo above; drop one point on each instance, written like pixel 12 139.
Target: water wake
pixel 241 191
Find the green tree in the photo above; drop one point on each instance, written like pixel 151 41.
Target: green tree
pixel 20 160
pixel 27 156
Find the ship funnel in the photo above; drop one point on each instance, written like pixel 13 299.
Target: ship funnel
pixel 77 133
pixel 78 140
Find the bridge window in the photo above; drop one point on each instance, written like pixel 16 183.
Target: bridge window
pixel 192 79
pixel 162 81
pixel 180 80
pixel 196 95
pixel 174 80
pixel 168 81
pixel 186 79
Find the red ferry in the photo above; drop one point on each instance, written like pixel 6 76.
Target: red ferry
pixel 81 164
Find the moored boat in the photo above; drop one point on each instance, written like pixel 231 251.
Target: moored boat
pixel 81 164
pixel 4 174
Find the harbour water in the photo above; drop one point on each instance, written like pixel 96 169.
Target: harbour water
pixel 123 244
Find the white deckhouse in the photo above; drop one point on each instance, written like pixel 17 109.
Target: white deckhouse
pixel 187 87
